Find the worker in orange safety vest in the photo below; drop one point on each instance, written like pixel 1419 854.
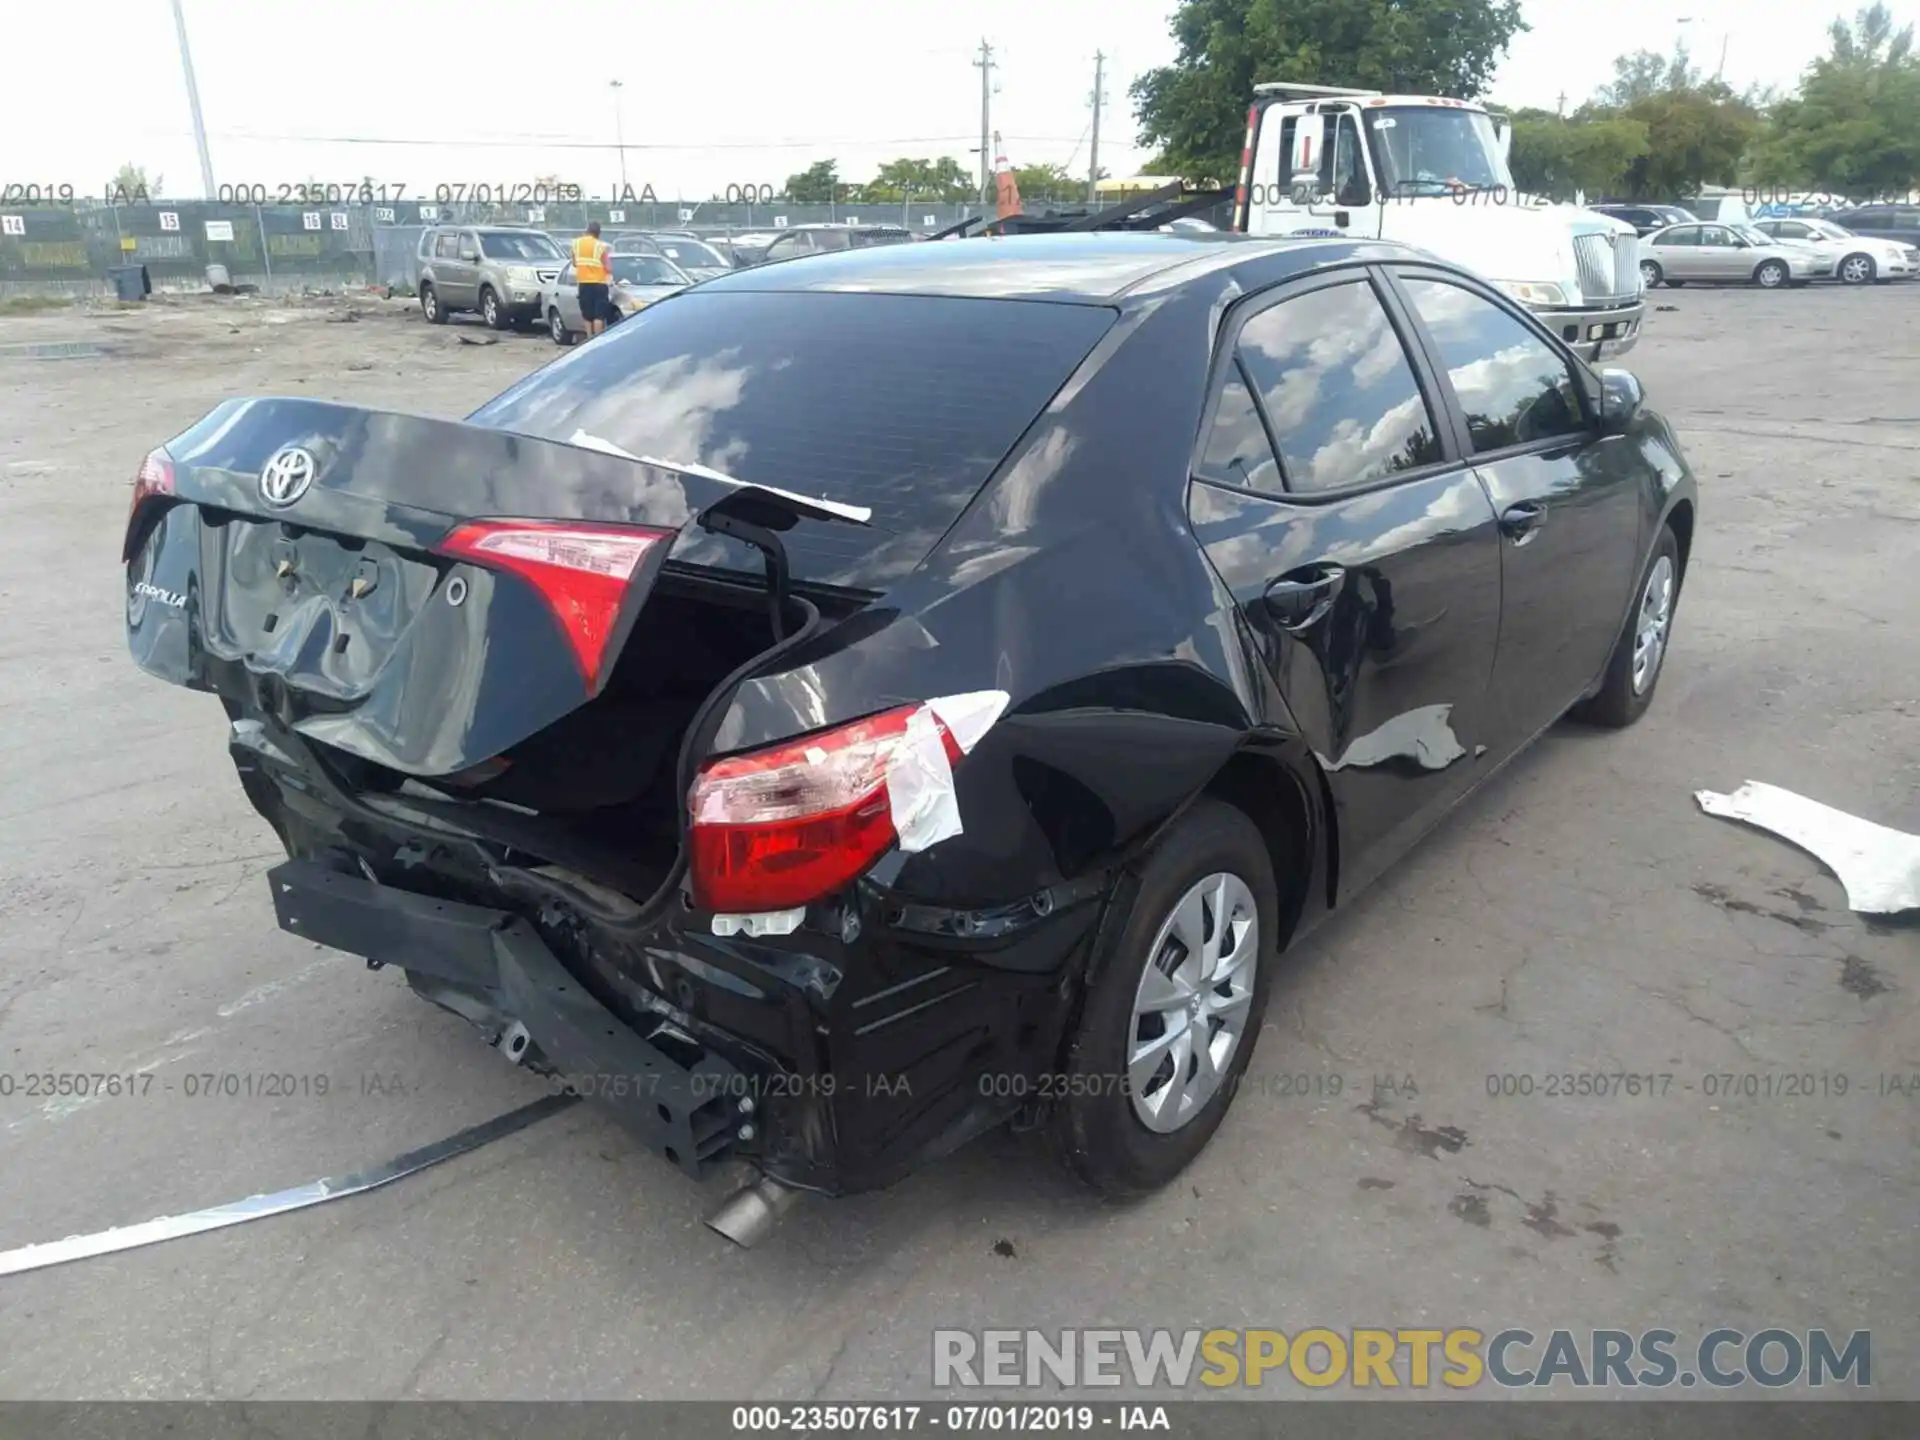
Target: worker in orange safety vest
pixel 591 273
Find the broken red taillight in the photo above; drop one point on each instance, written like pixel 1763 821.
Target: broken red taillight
pixel 581 570
pixel 788 825
pixel 153 481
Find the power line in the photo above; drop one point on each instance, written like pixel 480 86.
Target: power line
pixel 531 141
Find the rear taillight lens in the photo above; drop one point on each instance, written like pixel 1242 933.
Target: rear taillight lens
pixel 581 571
pixel 152 481
pixel 785 826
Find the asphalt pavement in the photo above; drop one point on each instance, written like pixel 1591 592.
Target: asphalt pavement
pixel 1387 1166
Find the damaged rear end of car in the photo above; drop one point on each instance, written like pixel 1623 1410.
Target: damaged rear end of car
pixel 474 678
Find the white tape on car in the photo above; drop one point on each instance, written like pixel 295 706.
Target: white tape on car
pixel 926 809
pixel 1878 866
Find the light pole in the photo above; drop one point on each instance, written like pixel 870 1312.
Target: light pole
pixel 1721 69
pixel 619 133
pixel 193 101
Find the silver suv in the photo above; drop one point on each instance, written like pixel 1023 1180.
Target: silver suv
pixel 491 269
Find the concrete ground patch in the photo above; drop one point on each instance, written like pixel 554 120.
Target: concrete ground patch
pixel 1423 1140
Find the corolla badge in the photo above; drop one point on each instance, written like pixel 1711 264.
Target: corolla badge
pixel 171 598
pixel 285 477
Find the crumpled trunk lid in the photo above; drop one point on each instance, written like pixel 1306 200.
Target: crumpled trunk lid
pixel 313 592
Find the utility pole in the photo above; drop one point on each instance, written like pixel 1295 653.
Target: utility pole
pixel 1093 161
pixel 985 66
pixel 619 135
pixel 1561 108
pixel 193 101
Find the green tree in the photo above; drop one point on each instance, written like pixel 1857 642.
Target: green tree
pixel 1195 109
pixel 907 179
pixel 1854 126
pixel 1660 130
pixel 1049 183
pixel 819 183
pixel 1695 137
pixel 1583 154
pixel 131 179
pixel 1644 74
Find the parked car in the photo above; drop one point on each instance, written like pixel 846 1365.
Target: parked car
pixel 1857 259
pixel 1646 219
pixel 1899 223
pixel 695 257
pixel 496 271
pixel 639 280
pixel 749 247
pixel 1727 253
pixel 818 782
pixel 823 239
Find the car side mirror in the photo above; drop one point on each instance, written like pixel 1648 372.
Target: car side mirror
pixel 469 255
pixel 1620 400
pixel 1356 196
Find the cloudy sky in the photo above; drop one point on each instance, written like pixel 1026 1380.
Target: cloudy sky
pixel 726 91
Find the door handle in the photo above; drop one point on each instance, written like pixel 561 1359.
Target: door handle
pixel 1519 522
pixel 1301 598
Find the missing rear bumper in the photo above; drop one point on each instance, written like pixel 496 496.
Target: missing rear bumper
pixel 492 968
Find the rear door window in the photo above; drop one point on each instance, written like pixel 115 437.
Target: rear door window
pixel 1679 235
pixel 1338 389
pixel 904 404
pixel 1238 450
pixel 447 247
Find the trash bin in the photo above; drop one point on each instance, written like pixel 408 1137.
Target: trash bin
pixel 130 282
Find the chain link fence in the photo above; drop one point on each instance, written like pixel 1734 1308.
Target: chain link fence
pixel 55 250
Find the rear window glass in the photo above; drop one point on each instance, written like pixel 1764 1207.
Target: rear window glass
pixel 497 246
pixel 904 404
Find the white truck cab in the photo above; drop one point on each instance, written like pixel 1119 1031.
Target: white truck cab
pixel 1433 173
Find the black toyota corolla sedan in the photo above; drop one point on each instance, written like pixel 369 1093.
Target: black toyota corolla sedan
pixel 863 700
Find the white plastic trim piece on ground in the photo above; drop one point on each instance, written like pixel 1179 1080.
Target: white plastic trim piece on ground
pixel 920 790
pixel 1878 866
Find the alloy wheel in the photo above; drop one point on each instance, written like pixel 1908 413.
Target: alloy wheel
pixel 1189 1012
pixel 1856 270
pixel 1651 627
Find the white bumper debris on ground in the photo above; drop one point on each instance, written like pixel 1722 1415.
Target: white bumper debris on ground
pixel 1879 867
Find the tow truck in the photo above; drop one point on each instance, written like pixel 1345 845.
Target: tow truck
pixel 1426 171
pixel 1432 172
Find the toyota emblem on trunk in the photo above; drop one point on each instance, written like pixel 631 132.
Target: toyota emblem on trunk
pixel 286 476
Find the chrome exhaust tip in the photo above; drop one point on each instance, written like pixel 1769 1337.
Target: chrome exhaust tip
pixel 747 1216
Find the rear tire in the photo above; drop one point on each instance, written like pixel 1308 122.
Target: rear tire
pixel 431 307
pixel 491 310
pixel 557 328
pixel 1639 655
pixel 1133 1114
pixel 1770 274
pixel 1857 269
